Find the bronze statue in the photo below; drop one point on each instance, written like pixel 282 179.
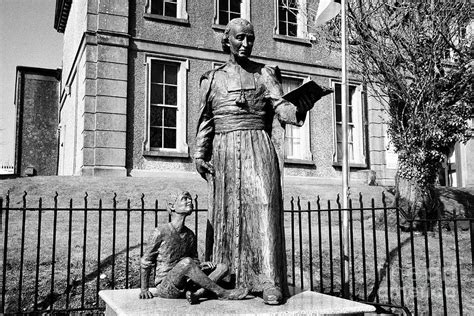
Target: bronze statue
pixel 235 154
pixel 172 250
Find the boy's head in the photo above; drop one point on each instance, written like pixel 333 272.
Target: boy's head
pixel 183 204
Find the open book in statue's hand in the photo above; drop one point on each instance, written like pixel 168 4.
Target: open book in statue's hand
pixel 306 95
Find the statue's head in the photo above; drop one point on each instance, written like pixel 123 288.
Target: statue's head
pixel 238 38
pixel 183 204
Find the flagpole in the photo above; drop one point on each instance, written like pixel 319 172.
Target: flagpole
pixel 328 9
pixel 345 154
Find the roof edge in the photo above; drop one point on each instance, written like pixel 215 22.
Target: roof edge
pixel 61 14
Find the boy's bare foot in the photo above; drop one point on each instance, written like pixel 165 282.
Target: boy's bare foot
pixel 235 294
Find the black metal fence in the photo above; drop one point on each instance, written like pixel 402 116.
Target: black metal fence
pixel 56 258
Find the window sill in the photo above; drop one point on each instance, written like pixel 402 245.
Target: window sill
pixel 351 165
pixel 292 39
pixel 218 27
pixel 294 161
pixel 168 19
pixel 161 153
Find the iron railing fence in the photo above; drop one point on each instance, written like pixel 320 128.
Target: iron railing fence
pixel 57 259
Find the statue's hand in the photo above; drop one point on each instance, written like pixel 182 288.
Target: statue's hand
pixel 208 265
pixel 145 294
pixel 203 167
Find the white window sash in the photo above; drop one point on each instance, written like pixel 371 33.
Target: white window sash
pixel 301 19
pixel 181 144
pixel 244 11
pixel 301 150
pixel 356 147
pixel 181 11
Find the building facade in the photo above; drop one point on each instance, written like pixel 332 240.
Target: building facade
pixel 130 80
pixel 36 141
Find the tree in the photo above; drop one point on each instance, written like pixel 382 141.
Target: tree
pixel 418 60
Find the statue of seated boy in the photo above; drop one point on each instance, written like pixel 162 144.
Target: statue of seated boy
pixel 172 249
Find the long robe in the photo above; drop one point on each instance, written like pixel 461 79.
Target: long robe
pixel 245 221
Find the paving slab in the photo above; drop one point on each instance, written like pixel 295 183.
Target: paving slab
pixel 127 303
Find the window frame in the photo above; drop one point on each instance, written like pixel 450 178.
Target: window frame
pixel 182 149
pixel 181 17
pixel 358 137
pixel 391 157
pixel 244 13
pixel 301 21
pixel 306 156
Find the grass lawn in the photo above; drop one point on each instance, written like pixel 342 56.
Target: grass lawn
pixel 384 273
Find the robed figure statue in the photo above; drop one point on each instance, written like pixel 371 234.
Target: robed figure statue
pixel 235 154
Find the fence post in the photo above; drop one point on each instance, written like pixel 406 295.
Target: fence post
pixel 69 248
pixel 196 217
pixel 310 247
pixel 320 245
pixel 53 255
pixel 22 251
pixel 84 250
pixel 5 244
pixel 300 236
pixel 471 231
pixel 293 270
pixel 38 250
pixel 114 236
pixel 142 223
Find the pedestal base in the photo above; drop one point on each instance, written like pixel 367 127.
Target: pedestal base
pixel 126 302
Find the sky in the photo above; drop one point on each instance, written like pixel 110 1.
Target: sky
pixel 29 39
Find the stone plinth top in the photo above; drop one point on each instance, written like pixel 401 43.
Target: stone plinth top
pixel 126 302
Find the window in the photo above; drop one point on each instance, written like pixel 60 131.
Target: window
pixel 226 10
pixel 291 16
pixel 391 157
pixel 166 115
pixel 164 7
pixel 297 142
pixel 167 8
pixel 355 127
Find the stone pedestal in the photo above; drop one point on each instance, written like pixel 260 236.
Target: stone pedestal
pixel 126 302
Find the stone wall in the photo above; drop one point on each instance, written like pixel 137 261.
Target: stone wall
pixel 37 121
pixel 97 73
pixel 118 37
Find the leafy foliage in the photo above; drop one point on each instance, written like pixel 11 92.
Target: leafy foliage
pixel 417 56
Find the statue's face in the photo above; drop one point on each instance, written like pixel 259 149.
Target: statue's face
pixel 241 39
pixel 184 203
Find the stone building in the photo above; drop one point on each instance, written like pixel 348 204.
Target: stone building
pixel 130 80
pixel 36 100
